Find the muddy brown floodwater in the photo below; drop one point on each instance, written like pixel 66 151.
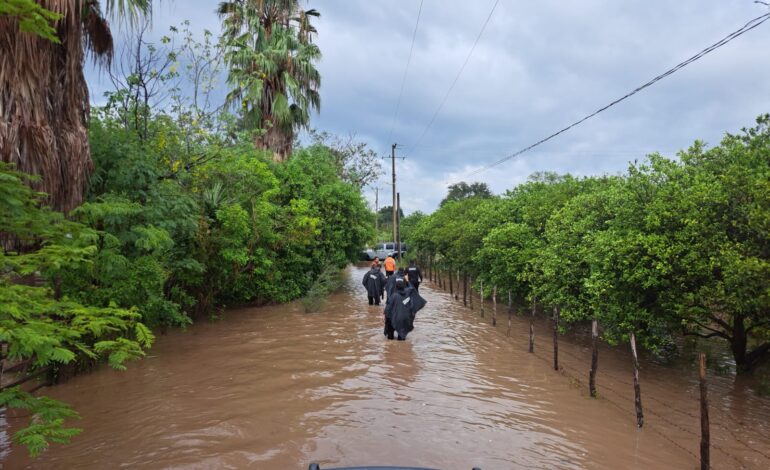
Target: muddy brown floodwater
pixel 276 388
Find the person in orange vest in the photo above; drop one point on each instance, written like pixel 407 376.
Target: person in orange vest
pixel 390 266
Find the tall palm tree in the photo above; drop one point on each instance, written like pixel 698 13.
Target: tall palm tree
pixel 272 74
pixel 44 96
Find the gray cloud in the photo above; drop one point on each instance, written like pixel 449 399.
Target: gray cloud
pixel 538 67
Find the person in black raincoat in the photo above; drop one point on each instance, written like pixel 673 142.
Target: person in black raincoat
pixel 390 286
pixel 374 282
pixel 401 309
pixel 415 276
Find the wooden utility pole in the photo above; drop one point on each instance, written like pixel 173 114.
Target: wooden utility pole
pixel 393 172
pixel 398 226
pixel 376 209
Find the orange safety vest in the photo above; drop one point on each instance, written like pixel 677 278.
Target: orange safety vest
pixel 390 264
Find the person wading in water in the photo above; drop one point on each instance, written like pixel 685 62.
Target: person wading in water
pixel 415 276
pixel 401 310
pixel 390 266
pixel 374 282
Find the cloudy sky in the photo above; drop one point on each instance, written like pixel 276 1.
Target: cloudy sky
pixel 538 67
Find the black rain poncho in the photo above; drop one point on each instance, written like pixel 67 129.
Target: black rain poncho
pixel 402 308
pixel 374 282
pixel 390 286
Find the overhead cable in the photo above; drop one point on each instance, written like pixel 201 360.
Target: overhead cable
pixel 744 29
pixel 406 70
pixel 457 77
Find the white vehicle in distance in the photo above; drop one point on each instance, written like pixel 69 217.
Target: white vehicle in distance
pixel 382 251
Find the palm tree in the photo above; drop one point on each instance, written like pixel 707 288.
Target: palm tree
pixel 271 56
pixel 44 96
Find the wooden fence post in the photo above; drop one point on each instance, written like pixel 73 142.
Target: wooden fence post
pixel 457 292
pixel 470 291
pixel 556 338
pixel 532 326
pixel 465 289
pixel 637 391
pixel 481 298
pixel 494 305
pixel 510 311
pixel 594 357
pixel 705 435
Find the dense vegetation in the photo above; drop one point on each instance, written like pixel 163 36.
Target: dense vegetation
pixel 185 211
pixel 674 246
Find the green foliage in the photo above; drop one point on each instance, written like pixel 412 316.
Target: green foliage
pixel 32 18
pixel 42 324
pixel 672 246
pixel 463 190
pixel 47 419
pixel 328 281
pixel 272 74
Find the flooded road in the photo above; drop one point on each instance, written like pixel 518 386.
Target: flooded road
pixel 276 388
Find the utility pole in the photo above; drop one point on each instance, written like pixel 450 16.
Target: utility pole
pixel 398 225
pixel 393 163
pixel 376 209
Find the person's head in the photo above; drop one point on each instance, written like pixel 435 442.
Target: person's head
pixel 377 260
pixel 401 270
pixel 411 264
pixel 400 283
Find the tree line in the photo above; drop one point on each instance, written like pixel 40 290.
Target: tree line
pixel 673 247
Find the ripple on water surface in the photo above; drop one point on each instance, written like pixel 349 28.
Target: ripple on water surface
pixel 277 388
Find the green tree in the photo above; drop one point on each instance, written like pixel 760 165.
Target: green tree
pixel 44 325
pixel 463 190
pixel 272 74
pixel 46 95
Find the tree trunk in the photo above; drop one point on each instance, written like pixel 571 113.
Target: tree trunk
pixel 739 343
pixel 44 106
pixel 637 390
pixel 275 140
pixel 451 288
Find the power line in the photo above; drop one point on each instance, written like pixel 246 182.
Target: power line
pixel 457 77
pixel 744 29
pixel 406 70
